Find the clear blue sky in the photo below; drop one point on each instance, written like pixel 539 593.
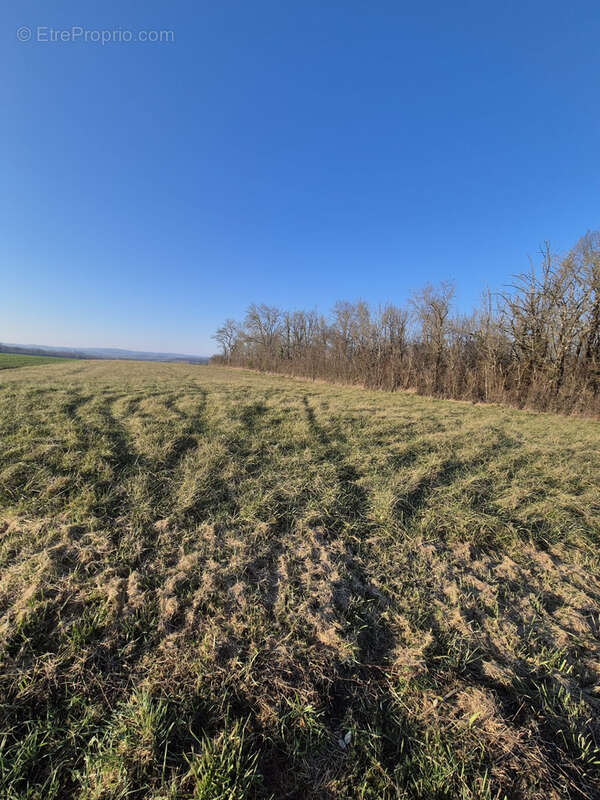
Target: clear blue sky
pixel 288 153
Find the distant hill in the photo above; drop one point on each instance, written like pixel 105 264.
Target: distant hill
pixel 99 352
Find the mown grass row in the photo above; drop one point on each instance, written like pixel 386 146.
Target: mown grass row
pixel 216 584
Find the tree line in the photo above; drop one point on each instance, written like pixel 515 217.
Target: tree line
pixel 535 344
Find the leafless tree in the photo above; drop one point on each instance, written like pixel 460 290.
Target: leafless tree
pixel 431 307
pixel 227 336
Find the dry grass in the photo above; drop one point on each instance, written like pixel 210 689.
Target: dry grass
pixel 215 584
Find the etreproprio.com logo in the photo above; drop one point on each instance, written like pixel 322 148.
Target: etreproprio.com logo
pixel 103 36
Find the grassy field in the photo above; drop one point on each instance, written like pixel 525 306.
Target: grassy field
pixel 215 584
pixel 12 360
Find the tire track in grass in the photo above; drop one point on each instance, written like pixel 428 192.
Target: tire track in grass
pixel 359 603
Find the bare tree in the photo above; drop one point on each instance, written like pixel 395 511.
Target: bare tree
pixel 262 329
pixel 227 336
pixel 431 307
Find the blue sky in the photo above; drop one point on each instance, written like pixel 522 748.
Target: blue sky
pixel 293 154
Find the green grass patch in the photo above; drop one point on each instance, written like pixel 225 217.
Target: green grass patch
pixel 14 360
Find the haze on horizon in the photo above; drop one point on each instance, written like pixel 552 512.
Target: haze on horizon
pixel 91 348
pixel 287 156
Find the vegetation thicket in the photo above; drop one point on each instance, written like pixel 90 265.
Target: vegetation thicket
pixel 536 345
